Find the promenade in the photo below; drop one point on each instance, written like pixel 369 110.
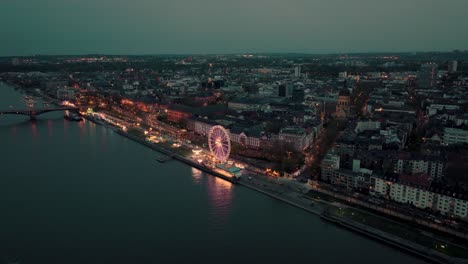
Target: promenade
pixel 287 194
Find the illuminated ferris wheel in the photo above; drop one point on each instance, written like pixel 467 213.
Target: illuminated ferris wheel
pixel 219 143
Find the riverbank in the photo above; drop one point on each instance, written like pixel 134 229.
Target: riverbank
pixel 379 235
pixel 387 238
pixel 401 215
pixel 394 241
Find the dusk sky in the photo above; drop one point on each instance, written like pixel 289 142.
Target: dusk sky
pixel 230 26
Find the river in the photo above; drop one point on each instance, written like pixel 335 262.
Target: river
pixel 80 193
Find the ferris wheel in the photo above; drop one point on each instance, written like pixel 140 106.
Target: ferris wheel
pixel 219 143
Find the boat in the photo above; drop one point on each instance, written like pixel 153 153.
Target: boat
pixel 73 117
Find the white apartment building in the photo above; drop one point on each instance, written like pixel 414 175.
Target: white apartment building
pixel 245 140
pixel 451 205
pixel 419 196
pixel 367 125
pixel 434 108
pixel 200 126
pixel 455 136
pixel 297 137
pixel 433 167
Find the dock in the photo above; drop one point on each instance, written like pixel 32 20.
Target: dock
pixel 163 159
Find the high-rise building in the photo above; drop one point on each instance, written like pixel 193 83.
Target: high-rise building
pixel 285 90
pixel 297 71
pixel 452 66
pixel 298 94
pixel 411 82
pixel 427 76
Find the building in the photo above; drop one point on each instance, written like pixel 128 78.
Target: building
pixel 330 163
pixel 244 134
pixel 177 112
pixel 414 191
pixel 247 134
pixel 427 76
pixel 229 171
pixel 342 106
pixel 285 90
pixel 366 126
pixel 200 126
pixel 297 137
pixel 54 84
pixel 452 66
pixel 396 135
pixel 343 75
pixel 417 191
pixel 349 179
pixel 127 86
pixel 357 178
pixel 298 94
pixel 433 109
pixel 448 204
pixel 435 167
pixel 66 93
pixel 454 136
pixel 297 71
pixel 244 103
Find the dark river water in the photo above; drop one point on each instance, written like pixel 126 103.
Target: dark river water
pixel 80 193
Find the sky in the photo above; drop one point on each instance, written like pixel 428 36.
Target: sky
pixel 58 27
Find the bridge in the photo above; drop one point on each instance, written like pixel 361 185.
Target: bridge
pixel 33 113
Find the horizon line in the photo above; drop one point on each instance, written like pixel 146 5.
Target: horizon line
pixel 233 53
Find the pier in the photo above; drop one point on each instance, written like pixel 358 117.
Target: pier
pixel 163 159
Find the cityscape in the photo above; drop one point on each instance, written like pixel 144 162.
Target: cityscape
pixel 258 156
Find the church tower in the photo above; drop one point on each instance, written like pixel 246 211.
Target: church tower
pixel 342 107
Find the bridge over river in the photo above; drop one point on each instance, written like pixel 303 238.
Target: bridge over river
pixel 33 113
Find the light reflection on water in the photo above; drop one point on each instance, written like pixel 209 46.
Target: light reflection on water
pixel 196 175
pixel 220 195
pixel 34 129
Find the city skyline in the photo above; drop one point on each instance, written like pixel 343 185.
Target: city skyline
pixel 161 131
pixel 213 27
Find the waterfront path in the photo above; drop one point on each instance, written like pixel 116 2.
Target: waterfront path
pixel 293 193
